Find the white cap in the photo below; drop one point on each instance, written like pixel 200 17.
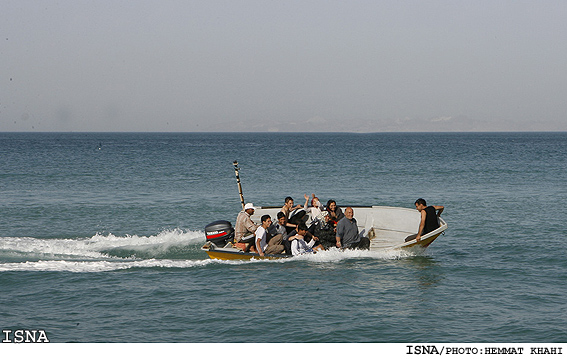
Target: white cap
pixel 249 206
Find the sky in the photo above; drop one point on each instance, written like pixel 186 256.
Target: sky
pixel 288 66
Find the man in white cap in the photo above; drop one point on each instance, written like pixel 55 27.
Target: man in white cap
pixel 244 226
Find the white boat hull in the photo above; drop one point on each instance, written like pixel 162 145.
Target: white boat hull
pixel 386 227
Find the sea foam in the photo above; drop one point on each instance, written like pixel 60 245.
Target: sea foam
pixel 168 249
pixel 97 247
pixel 86 266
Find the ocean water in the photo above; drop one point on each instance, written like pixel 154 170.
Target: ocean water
pixel 100 237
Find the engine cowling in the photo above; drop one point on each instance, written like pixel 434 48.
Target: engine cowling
pixel 219 233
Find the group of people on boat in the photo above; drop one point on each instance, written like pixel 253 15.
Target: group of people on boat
pixel 310 228
pixel 299 229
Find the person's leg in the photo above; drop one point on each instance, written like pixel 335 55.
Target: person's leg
pixel 275 240
pixel 274 249
pixel 287 247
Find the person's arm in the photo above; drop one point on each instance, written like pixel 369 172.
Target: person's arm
pixel 310 237
pixel 439 210
pixel 259 247
pixel 306 201
pixel 250 226
pixel 421 226
pixel 339 235
pixel 291 225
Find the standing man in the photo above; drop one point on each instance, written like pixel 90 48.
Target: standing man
pixel 244 226
pixel 347 233
pixel 429 219
pixel 273 246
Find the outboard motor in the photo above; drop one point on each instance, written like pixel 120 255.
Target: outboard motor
pixel 219 233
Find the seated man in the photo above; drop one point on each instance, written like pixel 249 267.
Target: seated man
pixel 347 233
pixel 263 246
pixel 429 219
pixel 298 244
pixel 280 228
pixel 244 228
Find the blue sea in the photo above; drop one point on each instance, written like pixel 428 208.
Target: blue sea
pixel 100 237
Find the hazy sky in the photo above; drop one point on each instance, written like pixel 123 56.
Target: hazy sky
pixel 283 65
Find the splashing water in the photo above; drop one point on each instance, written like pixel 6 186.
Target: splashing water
pixel 168 249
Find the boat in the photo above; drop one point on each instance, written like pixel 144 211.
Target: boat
pixel 386 227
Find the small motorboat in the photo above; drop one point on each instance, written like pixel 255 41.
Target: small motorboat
pixel 386 227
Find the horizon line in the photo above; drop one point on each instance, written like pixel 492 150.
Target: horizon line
pixel 297 132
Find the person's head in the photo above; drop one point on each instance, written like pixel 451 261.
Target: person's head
pixel 249 208
pixel 266 220
pixel 331 205
pixel 349 213
pixel 288 202
pixel 301 229
pixel 281 218
pixel 420 204
pixel 315 202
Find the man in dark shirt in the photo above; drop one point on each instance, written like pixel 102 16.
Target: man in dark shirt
pixel 280 228
pixel 429 219
pixel 347 232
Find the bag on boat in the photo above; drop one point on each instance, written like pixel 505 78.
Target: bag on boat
pixel 297 216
